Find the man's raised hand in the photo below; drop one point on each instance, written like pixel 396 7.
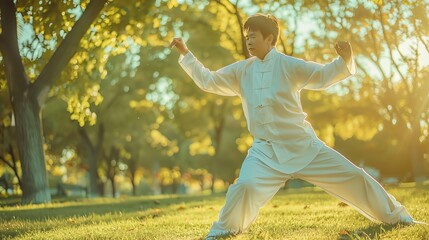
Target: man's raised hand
pixel 344 49
pixel 180 45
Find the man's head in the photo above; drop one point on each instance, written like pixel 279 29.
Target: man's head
pixel 262 32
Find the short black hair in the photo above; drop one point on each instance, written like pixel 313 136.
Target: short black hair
pixel 266 24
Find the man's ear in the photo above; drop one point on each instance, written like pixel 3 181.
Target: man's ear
pixel 269 39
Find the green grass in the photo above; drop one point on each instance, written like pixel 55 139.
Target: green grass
pixel 292 214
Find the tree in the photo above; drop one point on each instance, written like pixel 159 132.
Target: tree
pixel 28 97
pixel 388 38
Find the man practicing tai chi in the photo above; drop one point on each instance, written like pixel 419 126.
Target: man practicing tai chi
pixel 285 145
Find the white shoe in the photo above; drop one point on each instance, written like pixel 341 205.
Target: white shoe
pixel 410 221
pixel 419 222
pixel 214 237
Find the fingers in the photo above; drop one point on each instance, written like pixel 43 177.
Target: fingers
pixel 175 41
pixel 172 44
pixel 342 45
pixel 180 45
pixel 337 47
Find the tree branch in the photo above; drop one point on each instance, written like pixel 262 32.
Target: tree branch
pixel 390 51
pixel 65 51
pixel 283 45
pixel 224 6
pixel 232 40
pixel 12 165
pixel 245 52
pixel 15 167
pixel 7 162
pixel 420 37
pixel 10 50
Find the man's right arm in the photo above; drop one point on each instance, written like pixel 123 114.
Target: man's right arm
pixel 224 81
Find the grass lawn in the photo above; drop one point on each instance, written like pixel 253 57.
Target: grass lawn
pixel 307 213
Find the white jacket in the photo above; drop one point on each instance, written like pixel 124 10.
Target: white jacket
pixel 270 94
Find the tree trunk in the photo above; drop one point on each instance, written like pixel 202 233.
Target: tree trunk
pixel 418 167
pixel 219 127
pixel 91 157
pixel 133 184
pixel 112 162
pixel 30 146
pixel 98 150
pixel 93 173
pixel 133 178
pixel 213 181
pixel 132 168
pixel 163 188
pixel 112 181
pixel 93 152
pixel 201 182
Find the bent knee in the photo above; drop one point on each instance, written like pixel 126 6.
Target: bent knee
pixel 247 184
pixel 356 171
pixel 360 173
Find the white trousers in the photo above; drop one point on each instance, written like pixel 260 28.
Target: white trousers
pixel 331 171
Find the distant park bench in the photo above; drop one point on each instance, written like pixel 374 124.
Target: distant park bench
pixel 72 190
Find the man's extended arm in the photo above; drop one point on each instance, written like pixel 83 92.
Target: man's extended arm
pixel 315 76
pixel 224 81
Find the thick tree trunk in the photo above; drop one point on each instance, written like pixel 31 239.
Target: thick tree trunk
pixel 27 112
pixel 30 146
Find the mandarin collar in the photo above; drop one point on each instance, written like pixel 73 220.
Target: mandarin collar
pixel 269 55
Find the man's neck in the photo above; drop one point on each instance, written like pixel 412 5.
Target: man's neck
pixel 265 54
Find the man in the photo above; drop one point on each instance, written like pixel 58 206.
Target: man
pixel 285 145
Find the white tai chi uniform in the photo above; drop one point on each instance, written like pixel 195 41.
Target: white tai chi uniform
pixel 285 144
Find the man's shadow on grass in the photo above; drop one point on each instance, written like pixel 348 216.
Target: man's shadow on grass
pixel 370 232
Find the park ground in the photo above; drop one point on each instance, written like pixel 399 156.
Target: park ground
pixel 307 213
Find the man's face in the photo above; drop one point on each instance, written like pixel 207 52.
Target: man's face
pixel 256 44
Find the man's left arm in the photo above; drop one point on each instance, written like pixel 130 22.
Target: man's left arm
pixel 315 76
pixel 344 49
